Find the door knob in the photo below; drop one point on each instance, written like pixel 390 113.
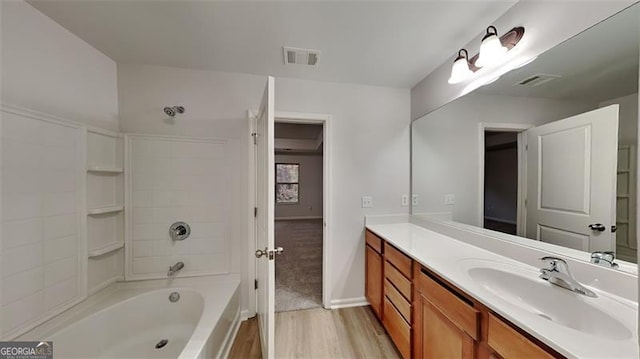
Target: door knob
pixel 270 254
pixel 261 252
pixel 597 227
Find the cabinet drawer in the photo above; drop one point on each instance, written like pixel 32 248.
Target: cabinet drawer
pixel 403 305
pixel 398 259
pixel 507 342
pixel 374 241
pixel 459 312
pixel 398 328
pixel 398 280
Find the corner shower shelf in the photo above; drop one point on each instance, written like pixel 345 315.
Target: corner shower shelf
pixel 105 249
pixel 104 169
pixel 104 210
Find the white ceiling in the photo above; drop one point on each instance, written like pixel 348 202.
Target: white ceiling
pixel 596 65
pixel 393 43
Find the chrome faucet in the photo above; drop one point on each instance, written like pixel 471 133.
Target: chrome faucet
pixel 558 273
pixel 604 259
pixel 175 268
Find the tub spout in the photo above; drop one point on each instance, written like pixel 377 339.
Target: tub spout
pixel 175 268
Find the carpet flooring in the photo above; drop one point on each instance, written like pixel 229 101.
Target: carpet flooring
pixel 299 267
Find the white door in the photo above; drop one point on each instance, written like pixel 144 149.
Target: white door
pixel 571 181
pixel 265 200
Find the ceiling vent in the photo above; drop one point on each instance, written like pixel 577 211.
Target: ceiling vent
pixel 296 56
pixel 536 80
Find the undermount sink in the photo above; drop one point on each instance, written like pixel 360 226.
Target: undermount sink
pixel 521 287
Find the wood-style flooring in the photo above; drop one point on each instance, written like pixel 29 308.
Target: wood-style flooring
pixel 320 333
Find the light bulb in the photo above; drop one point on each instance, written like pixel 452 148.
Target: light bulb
pixel 460 70
pixel 491 49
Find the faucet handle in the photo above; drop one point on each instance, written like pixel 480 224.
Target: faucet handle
pixel 604 258
pixel 553 262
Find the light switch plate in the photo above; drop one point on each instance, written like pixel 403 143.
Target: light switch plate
pixel 414 200
pixel 405 200
pixel 449 199
pixel 367 201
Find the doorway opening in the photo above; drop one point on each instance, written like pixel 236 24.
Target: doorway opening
pixel 501 181
pixel 299 221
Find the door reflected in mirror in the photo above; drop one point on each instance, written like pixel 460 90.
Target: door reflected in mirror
pixel 548 152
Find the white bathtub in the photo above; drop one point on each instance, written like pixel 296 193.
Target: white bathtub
pixel 129 319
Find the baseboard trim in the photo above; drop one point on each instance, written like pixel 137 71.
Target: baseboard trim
pixel 349 302
pixel 296 218
pixel 245 314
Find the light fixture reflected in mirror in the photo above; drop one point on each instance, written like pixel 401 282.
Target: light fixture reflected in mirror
pixel 491 49
pixel 461 69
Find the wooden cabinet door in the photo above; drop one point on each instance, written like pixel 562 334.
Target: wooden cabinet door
pixel 373 280
pixel 435 336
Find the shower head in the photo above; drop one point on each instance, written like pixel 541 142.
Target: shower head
pixel 171 111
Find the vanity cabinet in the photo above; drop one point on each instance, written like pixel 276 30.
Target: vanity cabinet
pixel 373 269
pixel 446 324
pixel 397 293
pixel 428 317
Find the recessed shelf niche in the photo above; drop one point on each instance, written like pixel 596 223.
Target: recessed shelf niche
pixel 105 208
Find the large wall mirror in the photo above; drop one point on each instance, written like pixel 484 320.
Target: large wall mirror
pixel 548 152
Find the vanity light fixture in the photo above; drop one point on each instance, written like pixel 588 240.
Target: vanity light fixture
pixel 493 50
pixel 461 68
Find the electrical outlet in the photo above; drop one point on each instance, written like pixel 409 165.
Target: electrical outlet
pixel 414 200
pixel 367 201
pixel 405 200
pixel 449 199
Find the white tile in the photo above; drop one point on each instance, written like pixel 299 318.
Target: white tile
pixel 207 213
pixel 20 180
pixel 58 158
pixel 142 248
pixel 143 231
pixel 20 154
pixel 56 249
pixel 59 181
pixel 59 203
pixel 21 206
pixel 19 233
pixel 60 226
pixel 208 230
pixel 207 246
pixel 21 129
pixel 148 265
pixel 22 258
pixel 22 285
pixel 60 270
pixel 55 135
pixel 215 263
pixel 21 311
pixel 60 293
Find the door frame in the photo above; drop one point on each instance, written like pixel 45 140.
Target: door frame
pixel 519 128
pixel 299 118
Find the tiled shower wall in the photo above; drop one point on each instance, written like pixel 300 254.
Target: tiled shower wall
pixel 42 238
pixel 170 180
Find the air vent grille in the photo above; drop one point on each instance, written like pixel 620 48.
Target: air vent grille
pixel 297 56
pixel 536 80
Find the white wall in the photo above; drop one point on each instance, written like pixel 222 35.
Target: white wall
pixel 446 147
pixel 48 69
pixel 628 118
pixel 310 187
pixel 547 23
pixel 370 144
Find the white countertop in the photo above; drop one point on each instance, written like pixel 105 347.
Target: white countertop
pixel 447 256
